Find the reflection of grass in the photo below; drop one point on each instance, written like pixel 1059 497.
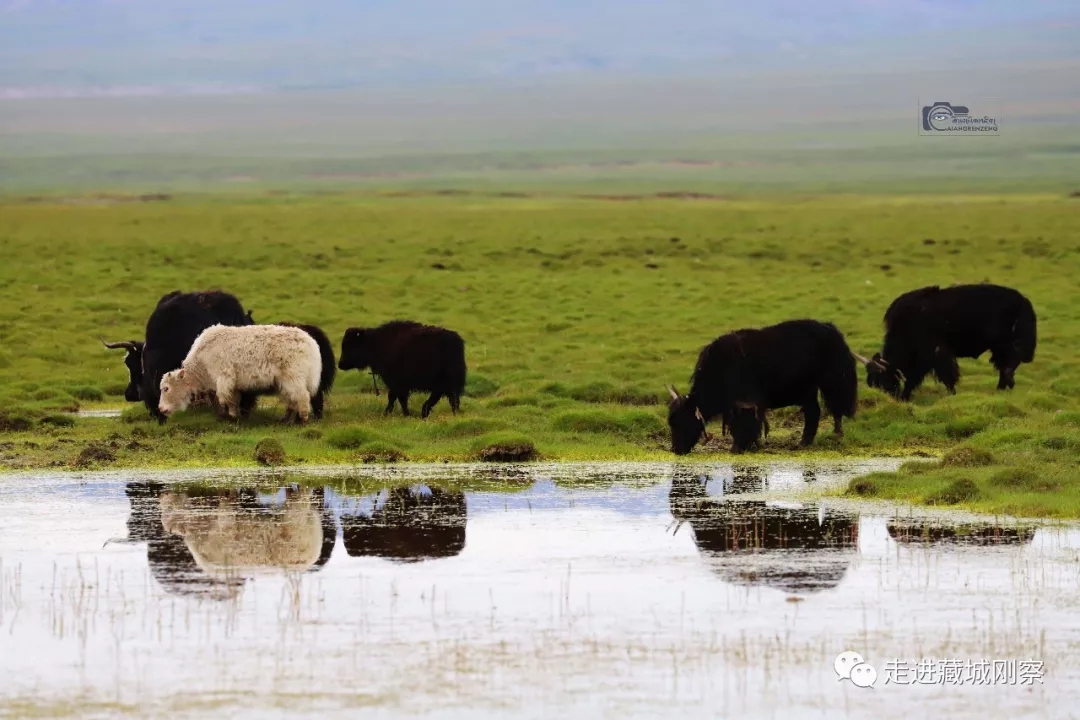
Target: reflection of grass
pixel 570 333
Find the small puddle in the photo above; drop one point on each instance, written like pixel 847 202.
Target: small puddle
pixel 466 591
pixel 107 413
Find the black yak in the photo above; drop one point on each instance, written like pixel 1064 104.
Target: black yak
pixel 409 356
pixel 740 376
pixel 927 329
pixel 174 324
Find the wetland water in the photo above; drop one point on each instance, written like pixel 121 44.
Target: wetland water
pixel 583 591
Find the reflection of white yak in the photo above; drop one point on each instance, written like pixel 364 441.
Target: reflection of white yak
pixel 225 537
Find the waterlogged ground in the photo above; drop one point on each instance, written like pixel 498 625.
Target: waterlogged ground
pixel 540 591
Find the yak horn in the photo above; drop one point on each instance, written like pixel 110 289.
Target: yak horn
pixel 124 344
pixel 674 393
pixel 860 358
pixel 698 415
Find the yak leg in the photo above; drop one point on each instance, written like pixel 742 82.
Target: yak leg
pixel 227 398
pixel 393 399
pixel 811 418
pixel 248 400
pixel 1006 364
pixel 431 402
pixel 403 399
pixel 913 381
pixel 317 401
pixel 946 369
pixel 455 402
pixel 298 402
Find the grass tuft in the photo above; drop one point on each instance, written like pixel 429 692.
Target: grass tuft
pixel 961 490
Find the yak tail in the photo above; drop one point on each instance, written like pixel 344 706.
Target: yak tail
pixel 839 380
pixel 456 369
pixel 1024 335
pixel 326 354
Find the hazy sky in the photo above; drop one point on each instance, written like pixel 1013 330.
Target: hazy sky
pixel 275 43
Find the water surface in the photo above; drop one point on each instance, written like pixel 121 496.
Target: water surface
pixel 582 591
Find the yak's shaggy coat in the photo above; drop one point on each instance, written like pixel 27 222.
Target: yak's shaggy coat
pixel 230 360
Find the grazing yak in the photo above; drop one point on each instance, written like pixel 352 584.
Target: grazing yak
pixel 740 376
pixel 229 360
pixel 174 324
pixel 409 356
pixel 927 329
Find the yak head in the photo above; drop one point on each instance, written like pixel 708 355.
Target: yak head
pixel 355 353
pixel 882 375
pixel 686 422
pixel 176 392
pixel 133 361
pixel 747 423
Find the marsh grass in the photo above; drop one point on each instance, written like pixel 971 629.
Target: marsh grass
pixel 575 311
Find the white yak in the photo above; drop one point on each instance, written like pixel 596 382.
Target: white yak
pixel 228 360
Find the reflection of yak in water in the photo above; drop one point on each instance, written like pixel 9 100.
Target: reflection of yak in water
pixel 408 524
pixel 962 534
pixel 750 542
pixel 195 543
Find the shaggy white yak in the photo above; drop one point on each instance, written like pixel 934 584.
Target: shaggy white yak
pixel 228 360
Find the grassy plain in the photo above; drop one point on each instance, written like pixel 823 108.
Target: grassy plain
pixel 575 311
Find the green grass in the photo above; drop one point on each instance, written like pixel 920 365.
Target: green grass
pixel 575 311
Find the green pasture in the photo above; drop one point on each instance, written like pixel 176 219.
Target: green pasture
pixel 576 311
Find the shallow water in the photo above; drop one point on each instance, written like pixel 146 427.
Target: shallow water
pixel 106 413
pixel 642 590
